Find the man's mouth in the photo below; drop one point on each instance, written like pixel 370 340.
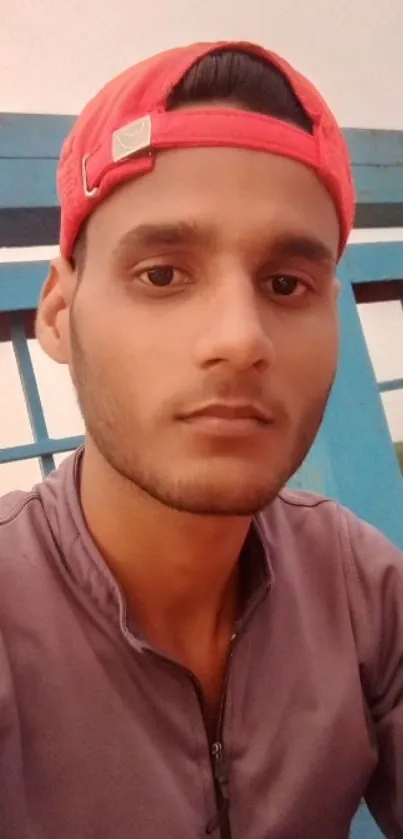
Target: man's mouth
pixel 229 418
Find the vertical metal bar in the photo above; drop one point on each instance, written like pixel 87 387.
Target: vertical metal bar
pixel 357 435
pixel 30 389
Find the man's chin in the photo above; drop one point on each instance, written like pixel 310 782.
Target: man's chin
pixel 216 498
pixel 205 487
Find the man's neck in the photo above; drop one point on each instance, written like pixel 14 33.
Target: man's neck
pixel 178 571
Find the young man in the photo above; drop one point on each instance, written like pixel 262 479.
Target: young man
pixel 188 649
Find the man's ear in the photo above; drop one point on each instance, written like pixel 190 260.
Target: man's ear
pixel 53 315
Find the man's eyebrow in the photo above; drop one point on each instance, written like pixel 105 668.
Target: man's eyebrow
pixel 159 235
pixel 303 246
pixel 171 234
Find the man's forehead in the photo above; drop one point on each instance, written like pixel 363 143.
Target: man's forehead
pixel 197 194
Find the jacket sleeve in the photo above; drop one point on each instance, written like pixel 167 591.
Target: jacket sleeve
pixel 375 569
pixel 13 821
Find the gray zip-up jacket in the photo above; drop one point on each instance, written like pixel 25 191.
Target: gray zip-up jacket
pixel 102 737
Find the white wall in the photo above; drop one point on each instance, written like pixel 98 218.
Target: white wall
pixel 55 54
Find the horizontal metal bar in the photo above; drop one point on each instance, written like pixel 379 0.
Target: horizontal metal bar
pixel 372 262
pixel 33 135
pixel 21 282
pixel 28 183
pixel 41 135
pixel 378 215
pixel 378 184
pixel 28 318
pixel 391 384
pixel 20 285
pixel 376 147
pixel 378 292
pixel 30 146
pixel 24 227
pixel 42 447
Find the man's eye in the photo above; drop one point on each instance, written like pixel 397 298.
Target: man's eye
pixel 285 286
pixel 160 276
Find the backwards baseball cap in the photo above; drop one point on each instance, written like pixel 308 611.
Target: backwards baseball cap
pixel 122 129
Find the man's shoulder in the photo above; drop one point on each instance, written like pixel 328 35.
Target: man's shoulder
pixel 18 507
pixel 26 517
pixel 35 534
pixel 306 500
pixel 323 526
pixel 296 507
pixel 24 541
pixel 12 503
pixel 22 521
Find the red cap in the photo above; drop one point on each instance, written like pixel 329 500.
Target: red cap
pixel 122 128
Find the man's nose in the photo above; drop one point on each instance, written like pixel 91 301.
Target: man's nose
pixel 236 326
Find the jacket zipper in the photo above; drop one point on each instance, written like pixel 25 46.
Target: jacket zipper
pixel 220 772
pixel 219 766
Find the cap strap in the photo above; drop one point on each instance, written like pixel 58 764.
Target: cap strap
pixel 197 129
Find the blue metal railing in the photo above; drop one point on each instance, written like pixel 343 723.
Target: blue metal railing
pixel 44 447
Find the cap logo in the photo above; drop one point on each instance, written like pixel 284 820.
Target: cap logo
pixel 131 139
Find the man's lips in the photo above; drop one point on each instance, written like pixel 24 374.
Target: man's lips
pixel 228 418
pixel 230 411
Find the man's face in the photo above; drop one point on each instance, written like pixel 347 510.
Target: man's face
pixel 203 340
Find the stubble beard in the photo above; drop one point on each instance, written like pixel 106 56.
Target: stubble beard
pixel 115 441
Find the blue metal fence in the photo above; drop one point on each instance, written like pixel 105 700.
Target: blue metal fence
pixel 44 447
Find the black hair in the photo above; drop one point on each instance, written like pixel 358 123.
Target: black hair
pixel 242 79
pixel 237 77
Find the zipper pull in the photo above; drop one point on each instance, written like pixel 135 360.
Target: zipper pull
pixel 220 768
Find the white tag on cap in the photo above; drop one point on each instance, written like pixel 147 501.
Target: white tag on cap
pixel 131 139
